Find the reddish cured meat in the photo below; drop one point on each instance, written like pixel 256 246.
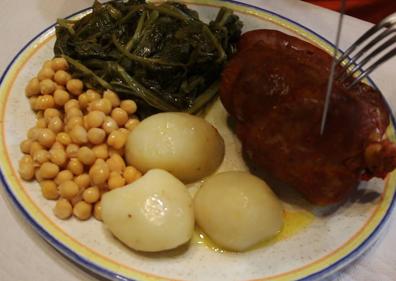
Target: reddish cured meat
pixel 275 88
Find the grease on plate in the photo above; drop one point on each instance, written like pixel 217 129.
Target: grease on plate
pixel 294 222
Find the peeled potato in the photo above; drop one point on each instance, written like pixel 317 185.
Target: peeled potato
pixel 237 210
pixel 185 145
pixel 154 213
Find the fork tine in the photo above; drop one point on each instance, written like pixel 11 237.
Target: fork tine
pixel 373 54
pixel 383 59
pixel 344 74
pixel 387 22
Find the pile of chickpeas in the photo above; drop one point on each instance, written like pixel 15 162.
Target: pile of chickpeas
pixel 76 149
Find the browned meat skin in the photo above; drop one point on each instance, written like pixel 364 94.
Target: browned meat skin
pixel 275 87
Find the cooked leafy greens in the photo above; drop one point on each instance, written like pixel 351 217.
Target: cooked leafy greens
pixel 161 55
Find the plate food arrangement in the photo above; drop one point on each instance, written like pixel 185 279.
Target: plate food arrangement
pixel 180 141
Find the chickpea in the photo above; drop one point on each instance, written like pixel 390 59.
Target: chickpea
pixel 59 64
pixel 63 209
pixel 39 114
pixel 107 106
pixel 103 188
pixel 109 125
pixel 120 116
pixel 101 151
pixel 61 97
pixel 47 86
pixel 33 88
pixel 48 170
pixel 115 180
pixel 72 150
pixel 46 103
pixel 103 105
pixel 35 146
pixel 112 97
pixel 32 102
pixel 116 163
pixel 45 73
pixel 79 135
pixel 74 121
pixel 129 106
pixel 72 103
pixel 92 95
pixel 63 176
pixel 51 113
pixel 82 210
pixel 86 155
pixel 26 159
pixel 100 161
pixel 131 174
pixel 82 181
pixel 95 119
pixel 25 146
pixel 68 189
pixel 83 100
pixel 75 166
pixel 124 131
pixel 131 124
pixel 47 63
pixel 26 168
pixel 46 137
pixel 49 190
pixel 116 139
pixel 119 151
pixel 75 86
pixel 98 211
pixel 55 124
pixel 62 77
pixel 58 145
pixel 58 156
pixel 33 133
pixel 85 122
pixel 59 87
pixel 63 138
pixel 99 173
pixel 41 156
pixel 73 112
pixel 41 123
pixel 43 102
pixel 96 135
pixel 91 194
pixel 76 199
pixel 37 175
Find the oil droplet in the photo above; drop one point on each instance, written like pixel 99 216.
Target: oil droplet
pixel 294 222
pixel 200 238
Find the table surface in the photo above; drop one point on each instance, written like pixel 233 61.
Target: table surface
pixel 24 255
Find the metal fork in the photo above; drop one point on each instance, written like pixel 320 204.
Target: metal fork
pixel 353 71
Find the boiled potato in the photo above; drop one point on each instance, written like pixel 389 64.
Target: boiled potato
pixel 237 210
pixel 154 213
pixel 185 145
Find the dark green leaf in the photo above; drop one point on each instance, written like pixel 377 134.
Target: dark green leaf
pixel 161 55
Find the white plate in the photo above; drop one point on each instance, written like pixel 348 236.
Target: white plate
pixel 311 246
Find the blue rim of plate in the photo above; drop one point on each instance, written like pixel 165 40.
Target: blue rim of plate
pixel 325 272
